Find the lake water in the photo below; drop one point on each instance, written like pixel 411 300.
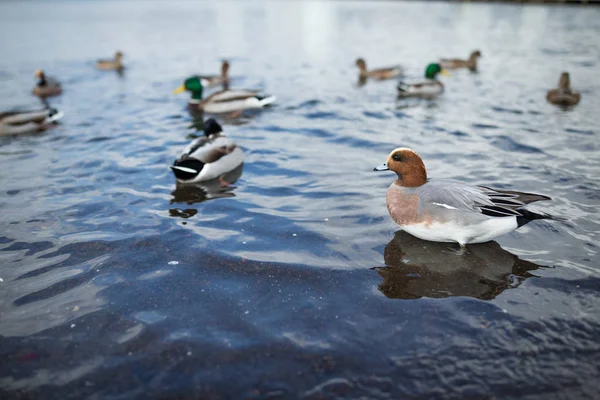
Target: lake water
pixel 294 283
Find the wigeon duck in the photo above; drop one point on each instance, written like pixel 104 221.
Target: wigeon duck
pixel 46 85
pixel 452 211
pixel 455 63
pixel 428 88
pixel 379 73
pixel 563 95
pixel 208 157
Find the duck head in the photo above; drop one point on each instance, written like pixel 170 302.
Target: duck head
pixel 433 69
pixel 565 81
pixel 407 165
pixel 361 64
pixel 192 85
pixel 224 68
pixel 118 56
pixel 212 127
pixel 41 76
pixel 475 55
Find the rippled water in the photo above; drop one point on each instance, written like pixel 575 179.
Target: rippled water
pixel 293 283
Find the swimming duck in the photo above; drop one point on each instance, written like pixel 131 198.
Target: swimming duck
pixel 207 157
pixel 214 80
pixel 563 95
pixel 19 122
pixel 452 211
pixel 425 89
pixel 455 63
pixel 379 73
pixel 115 63
pixel 223 101
pixel 46 86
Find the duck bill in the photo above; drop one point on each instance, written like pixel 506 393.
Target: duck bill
pixel 180 89
pixel 382 167
pixel 445 72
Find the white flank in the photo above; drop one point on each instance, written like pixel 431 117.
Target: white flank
pixel 446 206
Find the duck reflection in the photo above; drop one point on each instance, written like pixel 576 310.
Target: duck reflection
pixel 416 268
pixel 208 190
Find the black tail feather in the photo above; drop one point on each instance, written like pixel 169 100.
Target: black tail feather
pixel 527 216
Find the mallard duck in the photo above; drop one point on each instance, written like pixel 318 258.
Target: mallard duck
pixel 18 122
pixel 426 89
pixel 115 63
pixel 214 80
pixel 455 63
pixel 207 157
pixel 223 101
pixel 563 95
pixel 379 73
pixel 46 86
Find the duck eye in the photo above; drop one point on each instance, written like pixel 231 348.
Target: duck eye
pixel 397 157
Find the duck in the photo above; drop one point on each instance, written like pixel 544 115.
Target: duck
pixel 215 80
pixel 563 95
pixel 429 88
pixel 46 86
pixel 20 122
pixel 114 64
pixel 207 157
pixel 456 63
pixel 379 73
pixel 452 211
pixel 223 101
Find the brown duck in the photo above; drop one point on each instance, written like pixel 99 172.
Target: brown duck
pixel 114 64
pixel 46 86
pixel 563 95
pixel 379 73
pixel 456 63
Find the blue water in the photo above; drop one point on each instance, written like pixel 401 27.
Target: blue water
pixel 293 283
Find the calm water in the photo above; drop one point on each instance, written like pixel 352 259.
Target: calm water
pixel 294 282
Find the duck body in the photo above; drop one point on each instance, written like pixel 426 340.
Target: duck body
pixel 449 210
pixel 114 64
pixel 563 95
pixel 21 122
pixel 378 73
pixel 428 88
pixel 46 86
pixel 224 101
pixel 456 63
pixel 208 157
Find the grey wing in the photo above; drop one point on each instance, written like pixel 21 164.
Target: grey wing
pixel 461 196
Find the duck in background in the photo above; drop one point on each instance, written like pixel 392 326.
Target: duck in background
pixel 114 64
pixel 215 80
pixel 452 211
pixel 21 122
pixel 378 74
pixel 456 63
pixel 224 101
pixel 46 85
pixel 563 95
pixel 427 89
pixel 208 157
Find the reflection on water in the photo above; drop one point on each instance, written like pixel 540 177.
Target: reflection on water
pixel 209 190
pixel 417 268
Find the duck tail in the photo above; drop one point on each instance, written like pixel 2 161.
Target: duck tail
pixel 402 87
pixel 527 216
pixel 266 99
pixel 187 169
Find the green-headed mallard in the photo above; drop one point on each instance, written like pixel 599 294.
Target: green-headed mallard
pixel 426 89
pixel 114 64
pixel 207 157
pixel 46 86
pixel 19 122
pixel 215 80
pixel 563 95
pixel 379 73
pixel 455 63
pixel 223 101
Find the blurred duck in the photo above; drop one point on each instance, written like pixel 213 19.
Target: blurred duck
pixel 114 64
pixel 563 95
pixel 20 122
pixel 452 211
pixel 429 88
pixel 208 157
pixel 46 86
pixel 379 73
pixel 215 80
pixel 455 63
pixel 224 101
